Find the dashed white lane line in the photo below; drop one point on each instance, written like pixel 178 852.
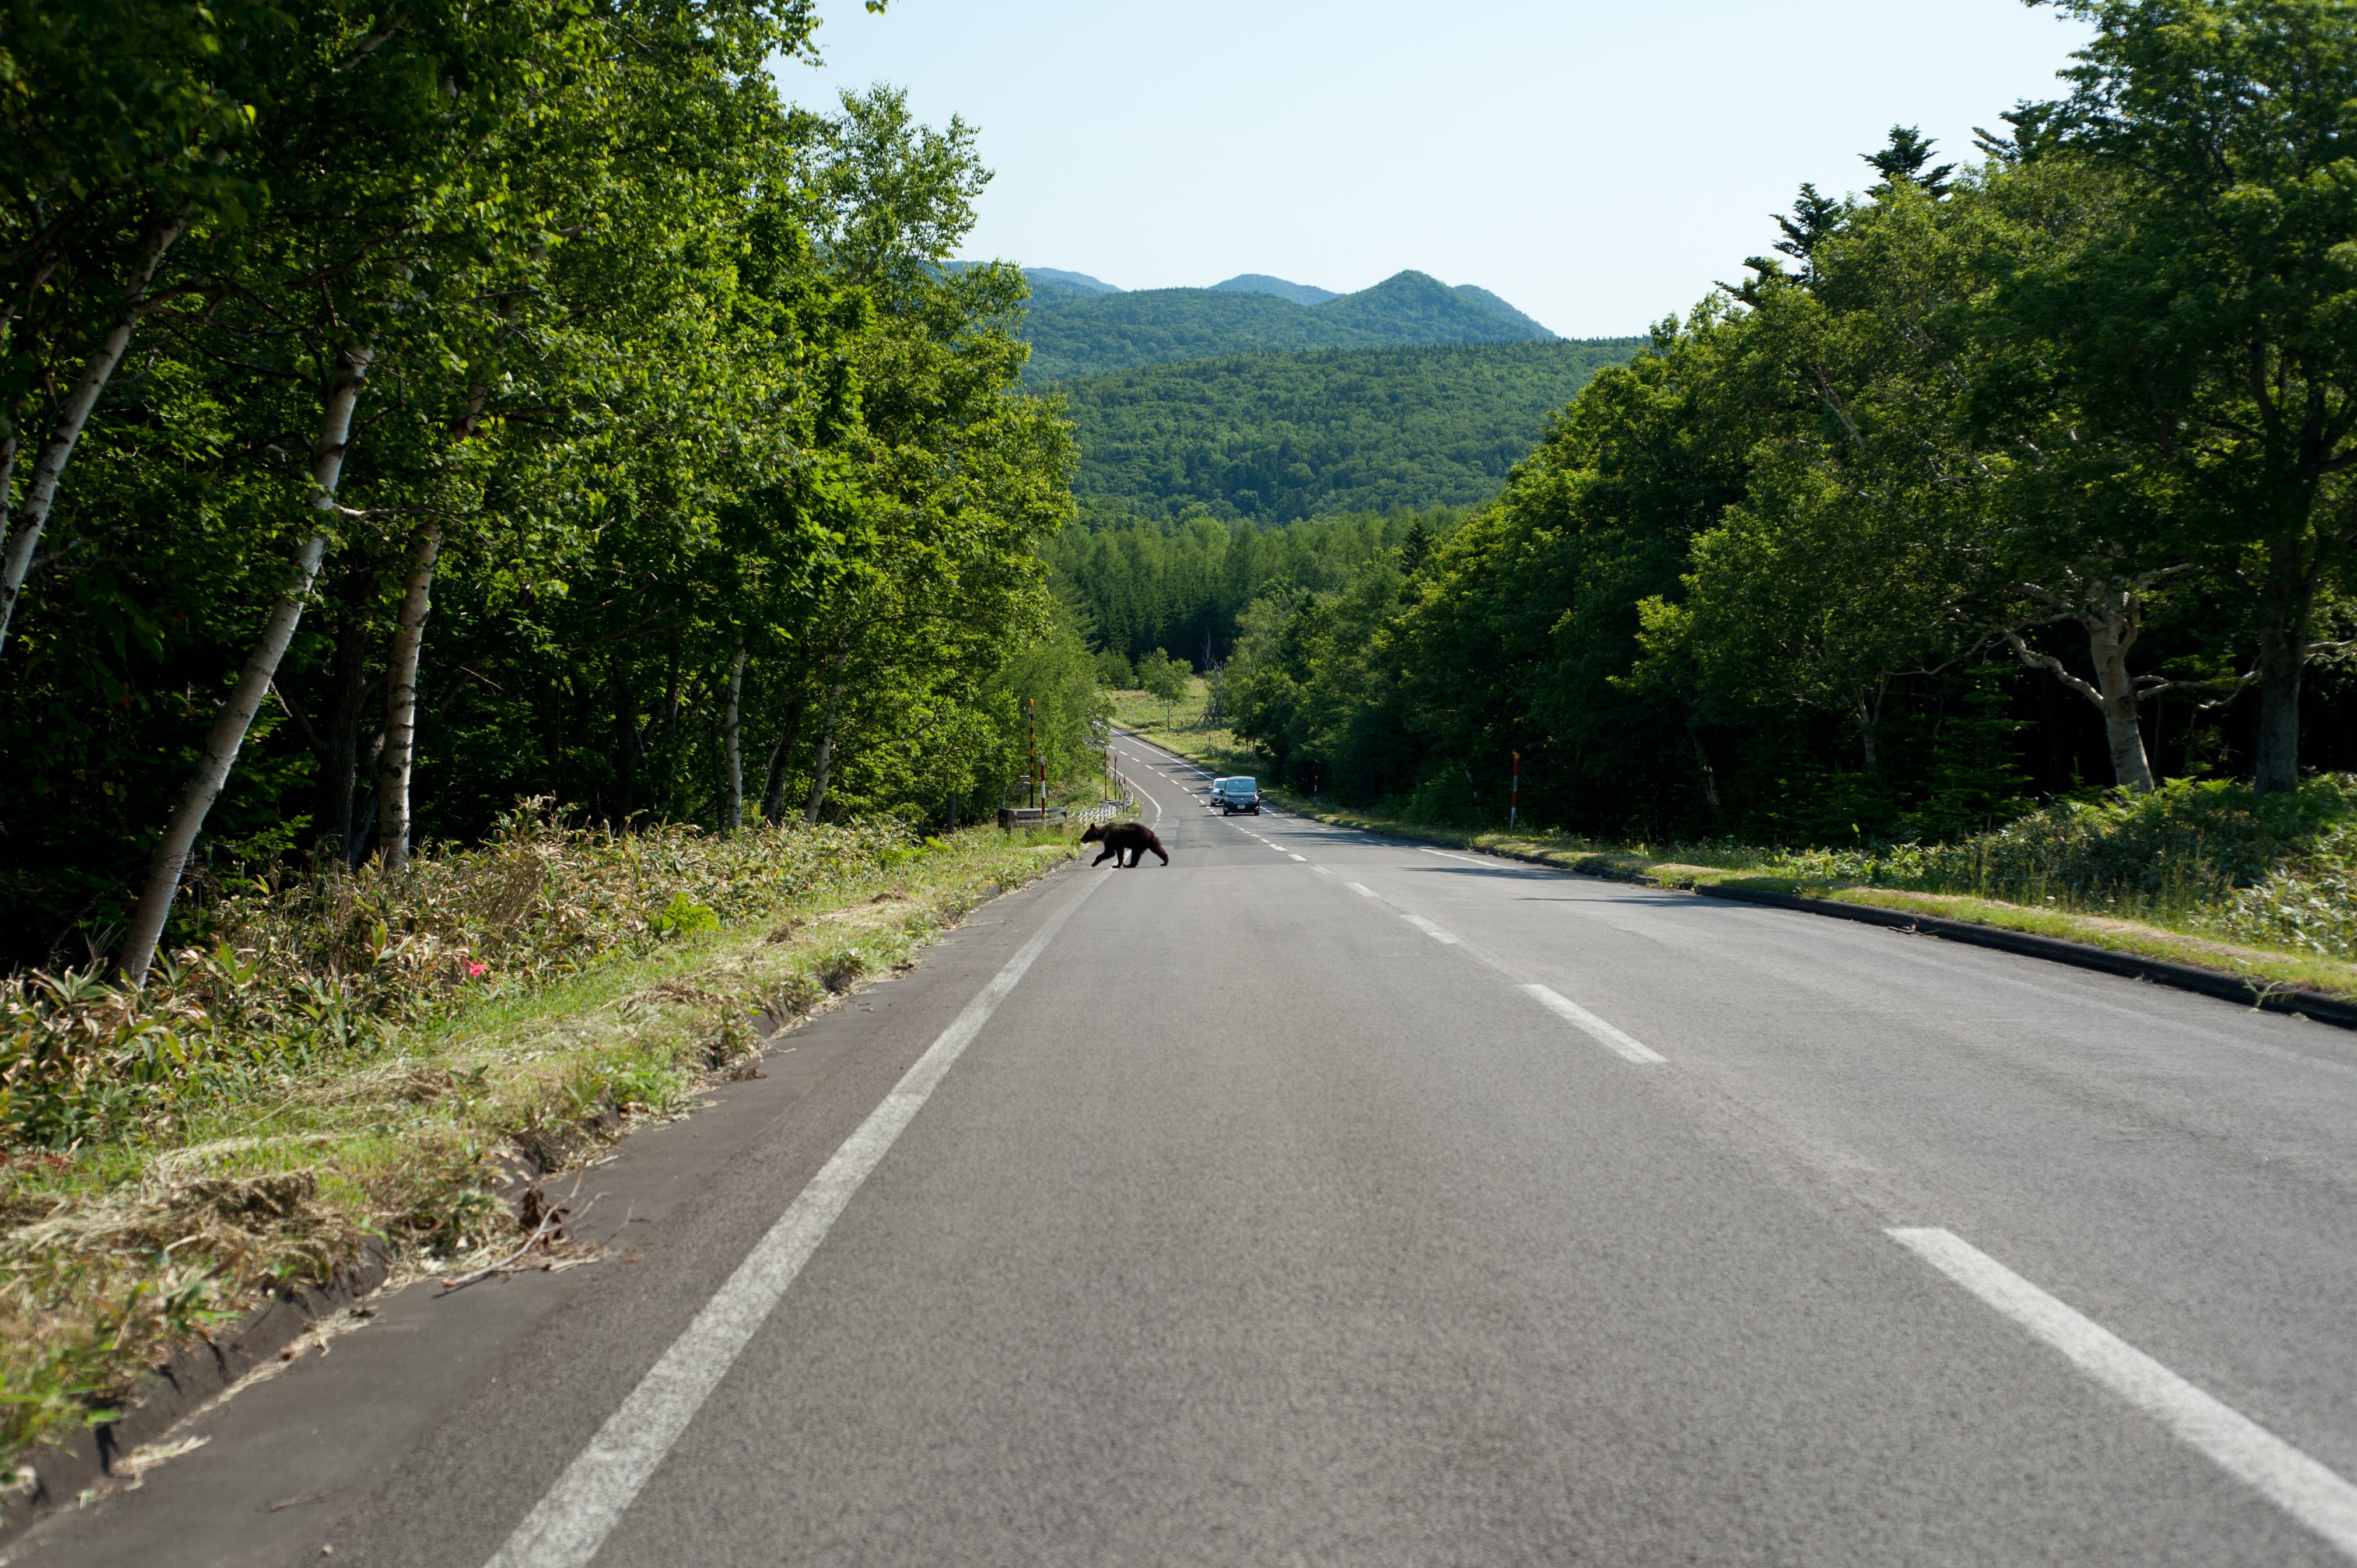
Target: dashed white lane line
pixel 573 1520
pixel 1429 929
pixel 1363 890
pixel 1323 870
pixel 1301 857
pixel 2317 1496
pixel 1596 1029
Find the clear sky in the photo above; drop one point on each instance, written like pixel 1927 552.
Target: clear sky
pixel 1598 163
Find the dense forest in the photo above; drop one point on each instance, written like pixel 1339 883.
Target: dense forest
pixel 406 417
pixel 2038 474
pixel 1278 436
pixel 1078 333
pixel 1184 585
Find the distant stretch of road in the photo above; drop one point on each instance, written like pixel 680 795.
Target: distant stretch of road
pixel 1323 1199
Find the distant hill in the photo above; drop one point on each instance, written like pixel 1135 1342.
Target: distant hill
pixel 1261 282
pixel 1077 334
pixel 1278 436
pixel 1050 283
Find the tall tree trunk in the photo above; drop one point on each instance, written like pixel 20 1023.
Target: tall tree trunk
pixel 773 781
pixel 341 739
pixel 732 720
pixel 2116 699
pixel 23 532
pixel 236 716
pixel 2285 606
pixel 826 749
pixel 400 758
pixel 2112 617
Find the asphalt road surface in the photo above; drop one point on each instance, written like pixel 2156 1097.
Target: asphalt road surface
pixel 1320 1199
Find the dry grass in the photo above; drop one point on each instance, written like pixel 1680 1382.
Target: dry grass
pixel 378 1061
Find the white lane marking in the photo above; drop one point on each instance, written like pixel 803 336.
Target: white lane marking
pixel 1157 804
pixel 1323 870
pixel 1429 929
pixel 1446 855
pixel 2315 1496
pixel 1302 857
pixel 1363 891
pixel 1596 1029
pixel 568 1525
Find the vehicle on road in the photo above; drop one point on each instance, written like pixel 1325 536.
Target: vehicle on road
pixel 1241 793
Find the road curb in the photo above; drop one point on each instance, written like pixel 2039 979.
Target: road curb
pixel 2225 984
pixel 195 1374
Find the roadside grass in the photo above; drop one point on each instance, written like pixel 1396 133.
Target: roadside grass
pixel 2198 874
pixel 175 1155
pixel 1179 726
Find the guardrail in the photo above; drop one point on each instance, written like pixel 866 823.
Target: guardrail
pixel 1013 817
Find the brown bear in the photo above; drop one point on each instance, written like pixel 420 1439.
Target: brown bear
pixel 1135 838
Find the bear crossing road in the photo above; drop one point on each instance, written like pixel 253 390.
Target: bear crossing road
pixel 1134 838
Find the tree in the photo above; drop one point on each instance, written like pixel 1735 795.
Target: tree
pixel 1162 676
pixel 2212 327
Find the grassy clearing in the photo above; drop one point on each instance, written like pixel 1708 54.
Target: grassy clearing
pixel 361 1058
pixel 1179 726
pixel 2202 874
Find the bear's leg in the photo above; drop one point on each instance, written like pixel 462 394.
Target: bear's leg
pixel 1155 845
pixel 1103 854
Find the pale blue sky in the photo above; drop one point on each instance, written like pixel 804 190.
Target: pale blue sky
pixel 1598 164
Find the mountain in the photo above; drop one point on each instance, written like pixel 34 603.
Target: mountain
pixel 1074 334
pixel 1278 436
pixel 1261 282
pixel 1496 306
pixel 1054 283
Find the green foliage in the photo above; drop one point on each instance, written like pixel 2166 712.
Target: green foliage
pixel 1143 583
pixel 1275 437
pixel 2262 866
pixel 1073 334
pixel 1162 676
pixel 666 373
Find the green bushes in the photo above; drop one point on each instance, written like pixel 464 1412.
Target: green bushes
pixel 2278 870
pixel 334 962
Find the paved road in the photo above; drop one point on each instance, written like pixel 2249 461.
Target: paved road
pixel 1321 1200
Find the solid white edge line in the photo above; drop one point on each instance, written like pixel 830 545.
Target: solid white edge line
pixel 568 1525
pixel 2315 1496
pixel 1446 855
pixel 1429 929
pixel 1596 1029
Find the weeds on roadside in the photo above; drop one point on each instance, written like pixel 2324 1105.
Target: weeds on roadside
pixel 350 1056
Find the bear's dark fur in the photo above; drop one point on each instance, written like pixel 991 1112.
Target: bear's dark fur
pixel 1135 838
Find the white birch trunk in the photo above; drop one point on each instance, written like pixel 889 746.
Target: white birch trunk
pixel 2112 615
pixel 732 721
pixel 2116 699
pixel 825 755
pixel 236 716
pixel 23 532
pixel 400 755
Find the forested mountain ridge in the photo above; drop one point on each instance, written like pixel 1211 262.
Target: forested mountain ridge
pixel 1274 437
pixel 1074 334
pixel 1261 282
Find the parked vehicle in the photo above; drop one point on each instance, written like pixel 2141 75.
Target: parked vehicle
pixel 1241 793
